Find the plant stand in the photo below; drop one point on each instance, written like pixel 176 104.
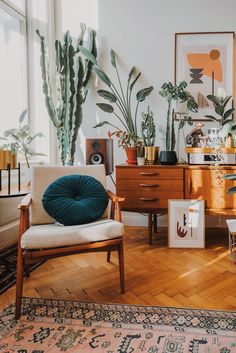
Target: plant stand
pixel 8 170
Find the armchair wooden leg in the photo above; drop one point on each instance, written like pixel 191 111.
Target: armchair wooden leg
pixel 155 223
pixel 121 267
pixel 109 256
pixel 19 283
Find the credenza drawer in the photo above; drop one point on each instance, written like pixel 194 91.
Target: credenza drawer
pixel 146 184
pixel 148 199
pixel 149 173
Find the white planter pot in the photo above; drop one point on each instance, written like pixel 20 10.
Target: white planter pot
pixel 141 160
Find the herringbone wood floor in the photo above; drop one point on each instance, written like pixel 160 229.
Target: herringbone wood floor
pixel 155 275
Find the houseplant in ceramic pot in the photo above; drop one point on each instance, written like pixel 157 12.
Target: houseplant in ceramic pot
pixel 119 98
pixel 148 133
pixel 141 155
pixel 20 139
pixel 224 118
pixel 173 93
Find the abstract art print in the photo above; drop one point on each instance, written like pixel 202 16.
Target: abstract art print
pixel 186 224
pixel 205 61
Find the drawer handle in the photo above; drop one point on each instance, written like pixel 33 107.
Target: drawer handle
pixel 150 174
pixel 148 199
pixel 149 185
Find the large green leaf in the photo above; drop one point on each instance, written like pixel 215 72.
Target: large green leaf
pixel 143 93
pixel 113 58
pixel 105 107
pixel 213 99
pixel 87 54
pixel 219 110
pixel 212 118
pixel 101 124
pixel 134 81
pixel 22 116
pixel 228 113
pixel 101 74
pixel 231 190
pixel 107 95
pixel 230 176
pixel 132 71
pixel 227 99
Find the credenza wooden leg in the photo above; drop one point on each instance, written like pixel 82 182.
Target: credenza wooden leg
pixel 155 223
pixel 150 228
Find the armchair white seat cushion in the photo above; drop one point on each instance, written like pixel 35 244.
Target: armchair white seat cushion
pixel 56 235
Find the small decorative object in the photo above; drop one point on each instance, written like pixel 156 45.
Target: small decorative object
pixel 141 155
pixel 206 61
pixel 73 75
pixel 186 220
pixel 148 132
pixel 120 97
pixel 195 137
pixel 224 121
pixel 173 93
pixel 19 140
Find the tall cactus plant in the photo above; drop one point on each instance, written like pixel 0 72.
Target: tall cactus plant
pixel 73 74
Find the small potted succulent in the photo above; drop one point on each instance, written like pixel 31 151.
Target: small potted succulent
pixel 141 155
pixel 148 133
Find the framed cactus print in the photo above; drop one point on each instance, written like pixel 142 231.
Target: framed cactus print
pixel 205 60
pixel 186 223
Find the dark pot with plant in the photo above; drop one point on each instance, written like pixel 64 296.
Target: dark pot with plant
pixel 148 133
pixel 121 98
pixel 173 93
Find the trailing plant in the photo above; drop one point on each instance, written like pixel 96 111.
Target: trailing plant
pixel 20 139
pixel 224 121
pixel 232 189
pixel 119 96
pixel 148 128
pixel 173 93
pixel 73 75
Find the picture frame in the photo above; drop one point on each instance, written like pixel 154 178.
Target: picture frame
pixel 205 60
pixel 186 224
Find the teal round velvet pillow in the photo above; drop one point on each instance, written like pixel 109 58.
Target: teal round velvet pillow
pixel 75 199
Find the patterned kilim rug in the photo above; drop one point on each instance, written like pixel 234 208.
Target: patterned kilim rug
pixel 63 326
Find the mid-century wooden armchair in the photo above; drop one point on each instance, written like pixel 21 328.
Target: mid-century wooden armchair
pixel 40 238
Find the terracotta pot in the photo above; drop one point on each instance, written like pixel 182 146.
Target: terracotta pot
pixel 131 153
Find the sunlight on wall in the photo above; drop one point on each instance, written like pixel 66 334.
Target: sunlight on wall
pixel 75 12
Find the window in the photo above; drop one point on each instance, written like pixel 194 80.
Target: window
pixel 13 83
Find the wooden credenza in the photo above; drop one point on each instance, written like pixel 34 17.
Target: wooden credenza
pixel 148 188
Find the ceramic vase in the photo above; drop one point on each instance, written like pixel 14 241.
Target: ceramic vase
pixel 131 153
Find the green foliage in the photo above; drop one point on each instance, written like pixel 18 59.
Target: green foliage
pixel 224 120
pixel 173 93
pixel 20 139
pixel 232 189
pixel 73 75
pixel 121 97
pixel 148 128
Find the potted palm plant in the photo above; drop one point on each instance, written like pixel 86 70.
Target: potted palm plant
pixel 120 99
pixel 174 93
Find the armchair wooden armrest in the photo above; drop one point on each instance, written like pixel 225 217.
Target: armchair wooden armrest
pixel 115 205
pixel 25 203
pixel 24 214
pixel 113 197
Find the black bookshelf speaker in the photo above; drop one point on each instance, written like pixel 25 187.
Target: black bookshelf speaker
pixel 100 151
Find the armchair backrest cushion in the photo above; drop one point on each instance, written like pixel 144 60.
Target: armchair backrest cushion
pixel 42 176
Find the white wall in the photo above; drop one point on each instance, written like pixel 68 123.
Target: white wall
pixel 142 34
